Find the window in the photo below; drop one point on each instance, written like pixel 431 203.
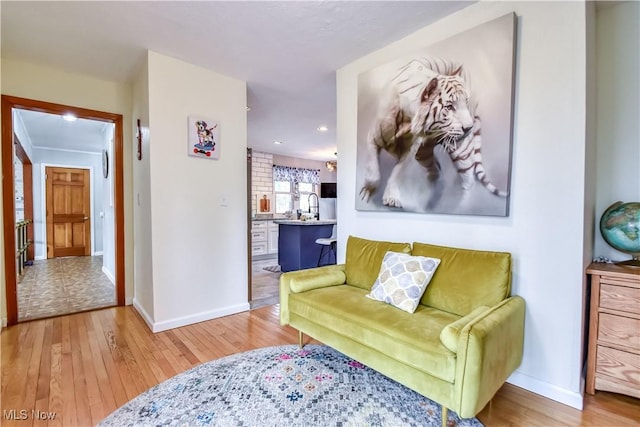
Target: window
pixel 304 189
pixel 292 187
pixel 284 198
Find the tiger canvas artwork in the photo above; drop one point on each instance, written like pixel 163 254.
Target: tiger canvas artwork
pixel 435 128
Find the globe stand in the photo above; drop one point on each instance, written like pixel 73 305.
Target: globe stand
pixel 634 263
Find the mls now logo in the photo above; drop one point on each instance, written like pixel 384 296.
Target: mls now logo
pixel 42 415
pixel 23 414
pixel 13 414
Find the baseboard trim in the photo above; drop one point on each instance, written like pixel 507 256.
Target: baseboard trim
pixel 39 258
pixel 553 392
pixel 199 317
pixel 4 322
pixel 97 253
pixel 107 273
pixel 145 316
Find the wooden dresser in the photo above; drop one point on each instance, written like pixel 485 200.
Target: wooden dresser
pixel 613 362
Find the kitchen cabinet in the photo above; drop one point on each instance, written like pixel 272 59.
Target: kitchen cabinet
pixel 259 241
pixel 272 237
pixel 264 237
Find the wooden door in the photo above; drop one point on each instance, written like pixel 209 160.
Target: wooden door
pixel 68 212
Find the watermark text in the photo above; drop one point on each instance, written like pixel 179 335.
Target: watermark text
pixel 24 415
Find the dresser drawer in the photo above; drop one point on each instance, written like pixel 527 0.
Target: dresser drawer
pixel 619 330
pixel 619 364
pixel 620 298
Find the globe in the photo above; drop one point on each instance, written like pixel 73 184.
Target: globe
pixel 620 228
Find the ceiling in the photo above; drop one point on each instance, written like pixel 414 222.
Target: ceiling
pixel 50 131
pixel 287 52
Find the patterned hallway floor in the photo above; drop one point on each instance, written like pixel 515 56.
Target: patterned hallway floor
pixel 64 285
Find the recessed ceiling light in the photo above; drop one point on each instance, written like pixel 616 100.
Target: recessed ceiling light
pixel 322 128
pixel 277 142
pixel 69 117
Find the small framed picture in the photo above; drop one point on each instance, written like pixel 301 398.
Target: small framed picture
pixel 204 139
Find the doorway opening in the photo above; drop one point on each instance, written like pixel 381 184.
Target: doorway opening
pixel 75 222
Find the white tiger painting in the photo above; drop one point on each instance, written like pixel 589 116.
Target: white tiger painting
pixel 434 129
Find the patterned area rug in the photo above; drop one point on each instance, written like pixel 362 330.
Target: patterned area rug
pixel 281 386
pixel 272 268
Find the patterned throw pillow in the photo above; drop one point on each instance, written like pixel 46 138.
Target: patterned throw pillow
pixel 403 279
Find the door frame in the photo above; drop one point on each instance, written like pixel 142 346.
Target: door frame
pixel 8 185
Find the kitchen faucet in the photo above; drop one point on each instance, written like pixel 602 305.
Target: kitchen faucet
pixel 317 206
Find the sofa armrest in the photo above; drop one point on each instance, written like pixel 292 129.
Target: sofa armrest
pixel 450 335
pixel 489 350
pixel 298 281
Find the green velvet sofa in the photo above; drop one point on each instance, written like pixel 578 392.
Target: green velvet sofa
pixel 459 346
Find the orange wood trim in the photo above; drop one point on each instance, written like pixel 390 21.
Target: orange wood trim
pixel 87 211
pixel 118 207
pixel 8 211
pixel 48 184
pixel 49 107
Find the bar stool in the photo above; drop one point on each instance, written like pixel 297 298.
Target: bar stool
pixel 328 247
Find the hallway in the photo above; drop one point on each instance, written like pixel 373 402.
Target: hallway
pixel 63 285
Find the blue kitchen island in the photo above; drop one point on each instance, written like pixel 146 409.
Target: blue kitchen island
pixel 297 247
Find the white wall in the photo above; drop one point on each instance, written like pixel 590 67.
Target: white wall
pixel 618 109
pixel 64 158
pixel 36 81
pixel 21 131
pixel 108 217
pixel 198 206
pixel 545 228
pixel 143 255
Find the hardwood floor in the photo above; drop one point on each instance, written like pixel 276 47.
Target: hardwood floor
pixel 82 367
pixel 264 284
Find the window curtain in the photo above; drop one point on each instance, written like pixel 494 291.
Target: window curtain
pixel 296 175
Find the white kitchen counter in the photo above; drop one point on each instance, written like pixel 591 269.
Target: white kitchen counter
pixel 307 222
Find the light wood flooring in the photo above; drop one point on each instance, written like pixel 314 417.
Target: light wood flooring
pixel 82 367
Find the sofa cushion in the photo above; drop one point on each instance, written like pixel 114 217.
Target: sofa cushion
pixel 364 258
pixel 403 279
pixel 465 279
pixel 412 339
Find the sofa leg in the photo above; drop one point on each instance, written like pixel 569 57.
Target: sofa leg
pixel 300 338
pixel 445 415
